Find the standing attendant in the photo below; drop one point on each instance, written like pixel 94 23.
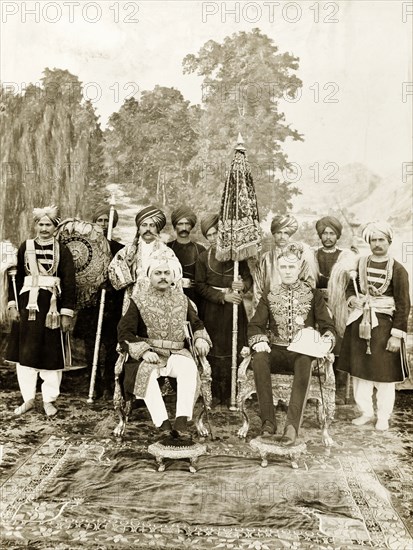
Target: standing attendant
pixel 373 345
pixel 218 293
pixel 87 318
pixel 186 250
pixel 129 266
pixel 45 284
pixel 267 274
pixel 329 230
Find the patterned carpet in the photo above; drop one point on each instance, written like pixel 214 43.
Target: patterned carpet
pixel 68 484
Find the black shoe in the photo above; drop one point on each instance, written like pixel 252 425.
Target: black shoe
pixel 289 436
pixel 181 424
pixel 165 427
pixel 267 428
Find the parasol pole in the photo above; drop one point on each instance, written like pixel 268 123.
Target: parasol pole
pixel 234 357
pixel 233 403
pixel 101 310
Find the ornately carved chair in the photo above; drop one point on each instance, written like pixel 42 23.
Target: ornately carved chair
pixel 123 408
pixel 322 389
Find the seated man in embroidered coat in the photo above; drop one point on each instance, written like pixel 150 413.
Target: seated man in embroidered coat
pixel 266 273
pixel 373 349
pixel 285 309
pixel 46 286
pixel 152 332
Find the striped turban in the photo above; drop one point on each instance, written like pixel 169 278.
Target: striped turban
pixel 165 256
pixel 51 212
pixel 209 221
pixel 377 227
pixel 151 212
pixel 287 222
pixel 183 212
pixel 329 221
pixel 105 210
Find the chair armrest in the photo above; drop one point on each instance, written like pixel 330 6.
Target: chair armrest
pixel 204 368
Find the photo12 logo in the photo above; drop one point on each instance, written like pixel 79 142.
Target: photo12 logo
pixel 270 12
pixel 70 12
pixel 88 91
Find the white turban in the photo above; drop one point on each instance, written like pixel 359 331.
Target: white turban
pixel 52 212
pixel 377 227
pixel 165 257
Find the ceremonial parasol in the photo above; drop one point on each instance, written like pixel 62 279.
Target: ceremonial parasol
pixel 239 232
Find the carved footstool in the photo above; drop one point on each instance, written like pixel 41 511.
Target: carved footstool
pixel 270 445
pixel 174 450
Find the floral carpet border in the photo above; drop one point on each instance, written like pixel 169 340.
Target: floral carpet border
pixel 384 526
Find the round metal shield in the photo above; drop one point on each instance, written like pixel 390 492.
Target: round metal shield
pixel 91 255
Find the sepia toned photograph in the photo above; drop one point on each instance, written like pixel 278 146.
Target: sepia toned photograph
pixel 206 269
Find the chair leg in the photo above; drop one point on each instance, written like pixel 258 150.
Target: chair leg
pixel 348 389
pixel 123 411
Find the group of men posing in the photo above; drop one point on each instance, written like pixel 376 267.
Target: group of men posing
pixel 158 288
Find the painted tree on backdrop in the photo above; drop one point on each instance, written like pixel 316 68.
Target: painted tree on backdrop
pixel 150 143
pixel 51 152
pixel 245 81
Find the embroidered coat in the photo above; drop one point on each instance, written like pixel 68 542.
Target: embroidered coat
pixel 284 310
pixel 381 365
pixel 155 321
pixel 31 343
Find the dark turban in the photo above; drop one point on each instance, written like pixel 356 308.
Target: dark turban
pixel 209 221
pixel 287 222
pixel 183 212
pixel 52 212
pixel 329 221
pixel 151 212
pixel 102 210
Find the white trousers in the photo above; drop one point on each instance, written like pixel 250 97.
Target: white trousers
pixel 185 371
pixel 385 396
pixel 27 378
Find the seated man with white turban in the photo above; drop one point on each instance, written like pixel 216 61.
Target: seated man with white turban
pixel 152 333
pixel 373 349
pixel 129 266
pixel 267 274
pixel 187 251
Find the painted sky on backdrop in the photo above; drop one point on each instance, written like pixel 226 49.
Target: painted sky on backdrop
pixel 358 52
